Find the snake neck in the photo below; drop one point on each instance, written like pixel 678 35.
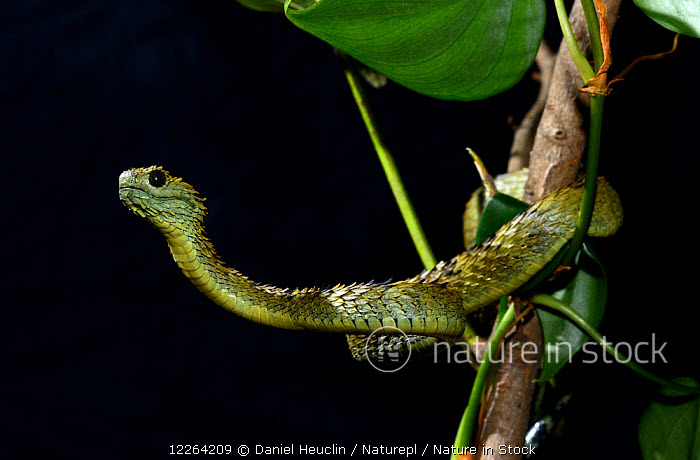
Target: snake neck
pixel 412 307
pixel 225 286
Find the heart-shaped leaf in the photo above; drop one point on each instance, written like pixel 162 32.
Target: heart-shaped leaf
pixel 448 49
pixel 682 16
pixel 586 293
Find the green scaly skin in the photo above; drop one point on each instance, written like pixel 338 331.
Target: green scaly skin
pixel 434 303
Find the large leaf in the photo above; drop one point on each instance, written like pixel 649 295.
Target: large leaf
pixel 682 16
pixel 586 293
pixel 670 425
pixel 448 49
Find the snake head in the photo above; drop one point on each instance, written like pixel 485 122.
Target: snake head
pixel 160 198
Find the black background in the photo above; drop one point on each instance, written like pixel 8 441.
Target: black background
pixel 111 353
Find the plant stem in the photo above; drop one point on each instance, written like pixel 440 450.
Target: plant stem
pixel 579 59
pixel 589 186
pixel 556 304
pixel 465 432
pixel 591 16
pixel 390 170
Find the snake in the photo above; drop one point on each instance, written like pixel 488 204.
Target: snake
pixel 427 308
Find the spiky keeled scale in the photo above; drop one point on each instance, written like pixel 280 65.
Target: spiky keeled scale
pixel 434 303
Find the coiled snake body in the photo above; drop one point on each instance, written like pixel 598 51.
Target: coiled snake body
pixel 430 306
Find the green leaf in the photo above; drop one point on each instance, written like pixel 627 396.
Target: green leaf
pixel 498 211
pixel 682 16
pixel 448 49
pixel 670 425
pixel 586 293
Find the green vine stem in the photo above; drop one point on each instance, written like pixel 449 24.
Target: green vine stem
pixel 596 117
pixel 557 305
pixel 591 16
pixel 465 432
pixel 579 59
pixel 589 186
pixel 390 170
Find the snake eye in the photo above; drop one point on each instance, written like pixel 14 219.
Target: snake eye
pixel 156 178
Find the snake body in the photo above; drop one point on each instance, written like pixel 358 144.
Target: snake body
pixel 434 303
